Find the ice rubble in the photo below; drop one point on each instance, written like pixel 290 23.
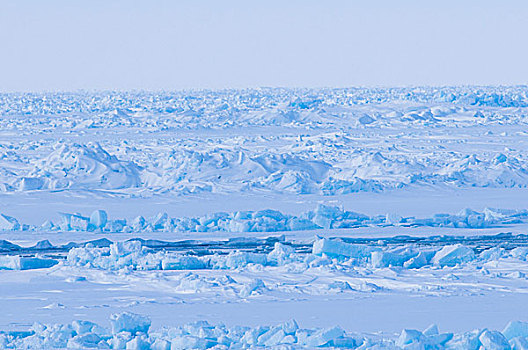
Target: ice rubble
pixel 323 217
pixel 185 170
pixel 132 331
pixel 329 141
pixel 81 166
pixel 325 252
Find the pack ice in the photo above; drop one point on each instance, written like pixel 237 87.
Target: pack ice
pixel 297 141
pixel 265 218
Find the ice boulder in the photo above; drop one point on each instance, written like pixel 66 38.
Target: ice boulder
pixel 516 329
pixel 452 255
pixel 129 322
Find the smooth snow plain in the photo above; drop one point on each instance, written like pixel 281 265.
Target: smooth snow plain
pixel 363 218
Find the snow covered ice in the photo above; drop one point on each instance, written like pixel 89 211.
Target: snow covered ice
pixel 370 218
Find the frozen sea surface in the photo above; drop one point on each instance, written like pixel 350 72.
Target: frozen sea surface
pixel 372 210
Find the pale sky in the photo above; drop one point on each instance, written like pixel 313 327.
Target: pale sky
pixel 171 45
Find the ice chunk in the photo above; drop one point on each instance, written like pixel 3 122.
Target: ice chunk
pixel 129 322
pixel 190 342
pixel 335 248
pixel 16 262
pixel 393 219
pixel 253 286
pixel 138 224
pixel 115 225
pixel 251 335
pixel 85 341
pixel 418 261
pixel 325 215
pixel 47 225
pixel 120 340
pixel 494 253
pixel 158 221
pixel 493 340
pixel 82 327
pixel 300 224
pixel 519 343
pixel 438 340
pixel 98 219
pixel 409 336
pixel 280 253
pixel 160 344
pixel 290 327
pixel 520 253
pixel 239 259
pixel 516 329
pixel 324 336
pixel 431 330
pixel 272 337
pixel 120 249
pixel 8 223
pixel 181 262
pixel 138 343
pixel 465 341
pixel 73 222
pixel 452 255
pixel 390 258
